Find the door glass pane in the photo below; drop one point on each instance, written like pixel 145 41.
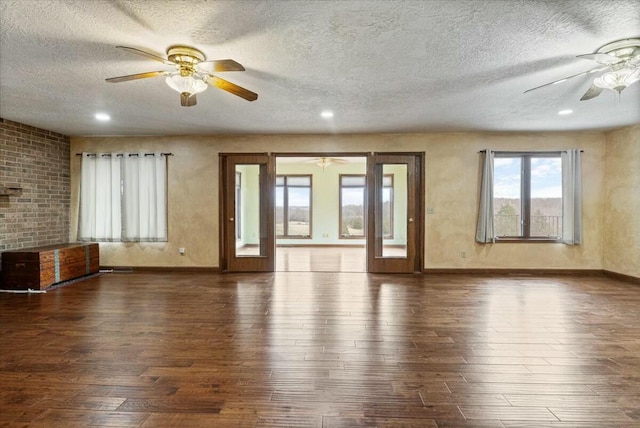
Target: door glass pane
pixel 279 209
pixel 387 206
pixel 507 198
pixel 238 229
pixel 546 197
pixel 248 212
pixel 391 215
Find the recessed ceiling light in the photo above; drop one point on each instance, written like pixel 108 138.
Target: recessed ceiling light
pixel 102 117
pixel 565 112
pixel 327 114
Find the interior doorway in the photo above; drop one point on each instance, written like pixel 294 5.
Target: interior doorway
pixel 320 213
pixel 347 212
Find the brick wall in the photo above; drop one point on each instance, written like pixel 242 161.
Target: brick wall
pixel 37 161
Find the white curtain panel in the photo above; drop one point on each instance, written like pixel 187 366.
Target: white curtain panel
pixel 100 213
pixel 484 228
pixel 144 197
pixel 571 197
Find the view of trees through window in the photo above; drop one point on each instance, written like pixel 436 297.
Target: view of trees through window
pixel 293 206
pixel 539 214
pixel 352 200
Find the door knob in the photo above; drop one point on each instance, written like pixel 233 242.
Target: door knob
pixel 410 220
pixel 230 218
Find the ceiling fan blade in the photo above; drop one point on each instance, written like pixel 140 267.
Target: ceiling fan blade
pixel 326 159
pixel 136 76
pixel 224 65
pixel 147 54
pixel 231 87
pixel 592 92
pixel 595 70
pixel 187 99
pixel 602 58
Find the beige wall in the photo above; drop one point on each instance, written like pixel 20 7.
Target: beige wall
pixel 621 234
pixel 452 168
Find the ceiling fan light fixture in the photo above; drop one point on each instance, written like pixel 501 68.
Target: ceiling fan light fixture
pixel 324 163
pixel 186 84
pixel 618 80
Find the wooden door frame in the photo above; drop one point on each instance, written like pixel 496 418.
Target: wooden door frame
pixel 417 175
pixel 224 188
pixel 419 208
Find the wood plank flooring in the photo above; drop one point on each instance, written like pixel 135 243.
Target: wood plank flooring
pixel 321 259
pixel 322 350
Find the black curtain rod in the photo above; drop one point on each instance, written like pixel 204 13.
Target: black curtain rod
pixel 122 154
pixel 528 151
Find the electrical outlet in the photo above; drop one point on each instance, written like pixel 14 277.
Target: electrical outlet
pixel 463 254
pixel 181 251
pixel 431 210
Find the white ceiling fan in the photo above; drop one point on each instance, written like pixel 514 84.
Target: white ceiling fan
pixel 620 64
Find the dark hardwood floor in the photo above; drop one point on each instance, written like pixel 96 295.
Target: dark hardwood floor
pixel 322 350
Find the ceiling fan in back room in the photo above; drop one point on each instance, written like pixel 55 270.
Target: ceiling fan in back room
pixel 619 64
pixel 324 162
pixel 188 77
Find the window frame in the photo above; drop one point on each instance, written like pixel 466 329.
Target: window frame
pixel 364 205
pixel 285 203
pixel 525 195
pixel 364 197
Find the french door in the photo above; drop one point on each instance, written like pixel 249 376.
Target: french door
pixel 394 215
pixel 393 218
pixel 247 215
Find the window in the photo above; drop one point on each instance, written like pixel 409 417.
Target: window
pixel 123 197
pixel 527 195
pixel 293 206
pixel 352 201
pixel 352 193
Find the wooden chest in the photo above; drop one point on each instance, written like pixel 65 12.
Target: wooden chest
pixel 40 267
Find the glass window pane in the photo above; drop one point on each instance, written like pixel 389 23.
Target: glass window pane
pixel 353 180
pixel 387 212
pixel 546 197
pixel 238 206
pixel 293 206
pixel 279 211
pixel 394 212
pixel 299 211
pixel 248 211
pixel 507 198
pixel 302 180
pixel 352 212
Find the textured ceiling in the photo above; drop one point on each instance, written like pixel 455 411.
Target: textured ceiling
pixel 380 66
